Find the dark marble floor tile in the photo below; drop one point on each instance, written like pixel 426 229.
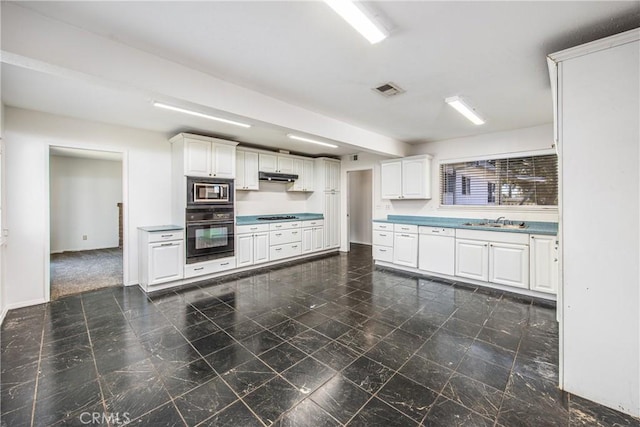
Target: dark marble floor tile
pixel 139 374
pixel 352 319
pixel 427 373
pixel 504 326
pixel 214 342
pixel 407 396
pixel 390 355
pixel 377 413
pixel 167 338
pixel 62 405
pixel 311 319
pixel 243 330
pixel 185 316
pixel 146 324
pixel 248 376
pixel 167 416
pixel 73 343
pixel 15 396
pixel 536 368
pixel 261 342
pixel 288 329
pixel 363 339
pixel 309 341
pixel 307 414
pixel 271 318
pixel 583 412
pixel 12 374
pixel 204 401
pixel 187 377
pixel 108 362
pixel 282 357
pixel 292 310
pixel 472 394
pixel 20 417
pixel 367 374
pixel 272 399
pixel 232 416
pixel 417 326
pixel 167 360
pixel 518 413
pixel 395 316
pixel 488 373
pixel 462 327
pixel 332 328
pixel 199 330
pixel 340 398
pixel 542 348
pixel 229 357
pixel 534 389
pixel 64 381
pixel 308 374
pixel 138 401
pixel 492 353
pixel 335 355
pixel 447 413
pixel 499 338
pixel 445 348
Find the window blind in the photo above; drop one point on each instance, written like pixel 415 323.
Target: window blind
pixel 513 181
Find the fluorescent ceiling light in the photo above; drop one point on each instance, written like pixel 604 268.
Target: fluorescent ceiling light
pixel 354 15
pixel 313 141
pixel 197 114
pixel 464 109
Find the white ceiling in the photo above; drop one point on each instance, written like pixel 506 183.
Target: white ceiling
pixel 492 53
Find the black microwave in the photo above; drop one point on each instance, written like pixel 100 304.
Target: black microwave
pixel 203 191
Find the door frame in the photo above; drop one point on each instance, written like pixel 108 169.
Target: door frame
pixel 348 204
pixel 125 211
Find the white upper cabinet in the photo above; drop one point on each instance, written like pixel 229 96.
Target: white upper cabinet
pixel 247 170
pixel 331 175
pixel 407 178
pixel 304 169
pixel 274 163
pixel 204 156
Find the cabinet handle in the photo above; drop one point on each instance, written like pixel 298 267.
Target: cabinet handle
pixel 555 260
pixel 382 250
pixel 485 244
pixel 278 249
pixel 166 235
pixel 383 235
pixel 278 234
pixel 253 228
pixel 224 263
pixel 293 247
pixel 198 269
pixel 294 232
pixel 435 231
pixel 405 235
pixel 167 244
pixel 533 237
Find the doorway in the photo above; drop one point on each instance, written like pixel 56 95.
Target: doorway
pixel 359 206
pixel 86 221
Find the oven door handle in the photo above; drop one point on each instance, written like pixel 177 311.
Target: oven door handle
pixel 208 222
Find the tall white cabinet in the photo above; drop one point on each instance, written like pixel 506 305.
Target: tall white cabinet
pixel 598 136
pixel 326 199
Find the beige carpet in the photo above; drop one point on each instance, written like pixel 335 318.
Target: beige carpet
pixel 81 271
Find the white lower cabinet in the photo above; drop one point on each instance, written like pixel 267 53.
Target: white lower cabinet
pixel 161 256
pixel 252 245
pixel 209 267
pixel 436 250
pixel 509 264
pixel 285 251
pixel 543 263
pixel 382 239
pixel 331 220
pixel 312 236
pixel 405 249
pixel 472 259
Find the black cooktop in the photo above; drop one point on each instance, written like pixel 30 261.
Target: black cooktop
pixel 276 217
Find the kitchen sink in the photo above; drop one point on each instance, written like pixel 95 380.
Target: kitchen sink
pixel 519 225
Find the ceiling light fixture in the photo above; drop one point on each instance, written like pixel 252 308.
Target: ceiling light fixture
pixel 313 141
pixel 358 19
pixel 197 114
pixel 464 109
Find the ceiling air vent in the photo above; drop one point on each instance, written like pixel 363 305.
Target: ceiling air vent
pixel 389 89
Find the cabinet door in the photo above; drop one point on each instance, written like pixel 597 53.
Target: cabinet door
pixel 307 240
pixel 509 264
pixel 240 171
pixel 543 263
pixel 244 251
pixel 415 179
pixel 472 259
pixel 307 173
pixel 166 262
pixel 267 162
pixel 331 176
pixel 391 180
pixel 197 157
pixel 224 161
pixel 436 254
pixel 405 249
pixel 332 220
pixel 318 238
pixel 260 247
pixel 285 165
pixel 298 169
pixel 251 171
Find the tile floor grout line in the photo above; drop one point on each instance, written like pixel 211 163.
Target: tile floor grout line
pixel 35 391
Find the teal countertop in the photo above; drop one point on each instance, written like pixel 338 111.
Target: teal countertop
pixel 531 227
pixel 154 228
pixel 253 219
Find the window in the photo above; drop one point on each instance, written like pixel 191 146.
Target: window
pixel 513 181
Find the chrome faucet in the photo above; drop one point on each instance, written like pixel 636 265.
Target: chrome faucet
pixel 504 220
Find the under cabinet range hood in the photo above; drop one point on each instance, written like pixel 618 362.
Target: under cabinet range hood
pixel 277 177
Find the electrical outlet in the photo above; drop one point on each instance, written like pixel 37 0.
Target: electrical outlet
pixel 387 207
pixel 84 237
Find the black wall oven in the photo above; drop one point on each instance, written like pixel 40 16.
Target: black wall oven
pixel 210 233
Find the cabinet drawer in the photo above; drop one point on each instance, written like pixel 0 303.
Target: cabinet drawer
pixel 493 236
pixel 405 228
pixel 382 226
pixel 284 225
pixel 284 251
pixel 383 238
pixel 437 231
pixel 284 236
pixel 252 228
pixel 383 253
pixel 209 267
pixel 165 236
pixel 313 223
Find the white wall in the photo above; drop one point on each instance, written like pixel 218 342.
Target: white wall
pixel 359 205
pixel 273 198
pixel 84 197
pixel 28 135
